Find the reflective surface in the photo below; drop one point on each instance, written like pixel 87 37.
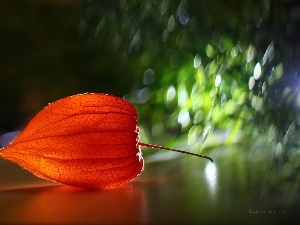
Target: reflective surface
pixel 181 190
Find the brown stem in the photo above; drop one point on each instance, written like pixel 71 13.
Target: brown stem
pixel 172 149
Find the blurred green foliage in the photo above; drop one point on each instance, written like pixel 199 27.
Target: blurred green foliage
pixel 201 73
pixel 203 65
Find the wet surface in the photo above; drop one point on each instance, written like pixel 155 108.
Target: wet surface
pixel 183 190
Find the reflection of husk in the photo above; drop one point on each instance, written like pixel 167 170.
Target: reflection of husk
pixel 65 204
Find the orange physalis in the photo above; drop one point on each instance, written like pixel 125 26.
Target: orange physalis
pixel 85 140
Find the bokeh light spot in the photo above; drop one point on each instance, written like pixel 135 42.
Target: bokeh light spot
pixel 251 83
pixel 184 118
pixel 250 53
pixel 218 80
pixel 257 71
pixel 171 94
pixel 171 23
pixel 197 61
pixel 149 76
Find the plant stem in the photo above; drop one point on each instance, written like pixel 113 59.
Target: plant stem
pixel 172 149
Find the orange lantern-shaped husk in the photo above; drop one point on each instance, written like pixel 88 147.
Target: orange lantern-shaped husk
pixel 85 140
